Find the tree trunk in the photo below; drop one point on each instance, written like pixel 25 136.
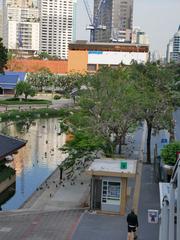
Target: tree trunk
pixel 149 128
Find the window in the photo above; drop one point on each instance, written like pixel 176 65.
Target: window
pixel 91 67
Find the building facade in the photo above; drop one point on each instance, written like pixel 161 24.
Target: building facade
pixel 89 57
pixel 139 37
pixel 117 18
pixel 173 48
pixel 20 26
pixel 56 29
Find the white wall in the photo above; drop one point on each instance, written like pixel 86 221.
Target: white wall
pixel 115 58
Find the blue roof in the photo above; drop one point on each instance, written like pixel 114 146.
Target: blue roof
pixel 8 81
pixel 22 75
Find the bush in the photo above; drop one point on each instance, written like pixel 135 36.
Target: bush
pixel 168 153
pixel 57 97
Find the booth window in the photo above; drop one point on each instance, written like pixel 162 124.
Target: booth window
pixel 111 191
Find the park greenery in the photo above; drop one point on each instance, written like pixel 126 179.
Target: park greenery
pixel 19 101
pixel 24 88
pixel 169 153
pixel 3 56
pixel 44 80
pixel 16 115
pixel 113 102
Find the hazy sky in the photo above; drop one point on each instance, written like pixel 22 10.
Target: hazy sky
pixel 158 18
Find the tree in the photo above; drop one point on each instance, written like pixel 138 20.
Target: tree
pixel 41 79
pixel 155 98
pixel 3 56
pixel 106 108
pixel 25 88
pixel 169 153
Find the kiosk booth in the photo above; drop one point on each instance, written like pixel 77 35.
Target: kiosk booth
pixel 109 182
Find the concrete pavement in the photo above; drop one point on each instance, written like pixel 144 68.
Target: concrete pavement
pixel 38 225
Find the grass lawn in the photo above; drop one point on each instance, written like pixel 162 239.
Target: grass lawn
pixel 16 101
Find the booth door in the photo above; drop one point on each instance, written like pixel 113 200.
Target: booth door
pixel 97 194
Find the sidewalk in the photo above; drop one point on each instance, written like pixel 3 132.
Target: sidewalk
pixel 97 227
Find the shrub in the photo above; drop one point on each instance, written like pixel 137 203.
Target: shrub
pixel 168 153
pixel 57 97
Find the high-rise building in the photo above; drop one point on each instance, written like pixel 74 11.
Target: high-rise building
pixel 169 51
pixel 176 46
pixel 56 30
pixel 139 37
pixel 20 25
pixel 116 17
pixel 173 48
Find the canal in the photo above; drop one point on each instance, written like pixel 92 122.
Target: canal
pixel 37 160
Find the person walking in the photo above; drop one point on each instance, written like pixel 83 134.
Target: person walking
pixel 132 221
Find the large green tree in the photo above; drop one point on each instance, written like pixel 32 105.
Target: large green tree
pixel 155 97
pixel 106 110
pixel 3 56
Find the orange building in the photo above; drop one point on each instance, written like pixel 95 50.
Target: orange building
pixel 88 57
pixel 33 65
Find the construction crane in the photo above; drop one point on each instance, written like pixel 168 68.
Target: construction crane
pixel 94 21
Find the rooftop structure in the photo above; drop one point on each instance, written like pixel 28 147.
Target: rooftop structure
pixel 8 83
pixel 9 145
pixel 85 56
pixel 112 167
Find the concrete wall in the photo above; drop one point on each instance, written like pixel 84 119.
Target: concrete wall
pixel 77 61
pixel 33 65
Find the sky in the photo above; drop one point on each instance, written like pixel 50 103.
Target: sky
pixel 160 19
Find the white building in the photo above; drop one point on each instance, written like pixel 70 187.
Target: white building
pixel 20 26
pixel 56 30
pixel 169 51
pixel 139 36
pixel 173 48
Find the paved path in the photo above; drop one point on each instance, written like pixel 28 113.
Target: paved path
pixel 149 199
pixel 58 225
pixel 97 227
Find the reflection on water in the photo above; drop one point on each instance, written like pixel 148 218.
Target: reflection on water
pixel 36 161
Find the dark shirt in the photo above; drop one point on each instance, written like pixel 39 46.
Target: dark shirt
pixel 132 219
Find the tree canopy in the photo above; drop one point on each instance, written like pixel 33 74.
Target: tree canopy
pixel 24 88
pixel 112 102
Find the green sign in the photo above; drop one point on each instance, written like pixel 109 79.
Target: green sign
pixel 123 165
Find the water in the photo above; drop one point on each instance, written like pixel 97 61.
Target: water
pixel 37 160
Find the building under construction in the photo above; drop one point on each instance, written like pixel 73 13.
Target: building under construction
pixel 116 17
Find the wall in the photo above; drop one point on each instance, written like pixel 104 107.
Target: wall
pixel 33 65
pixel 77 61
pixel 115 58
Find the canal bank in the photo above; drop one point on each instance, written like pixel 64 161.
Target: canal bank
pixel 54 194
pixel 37 160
